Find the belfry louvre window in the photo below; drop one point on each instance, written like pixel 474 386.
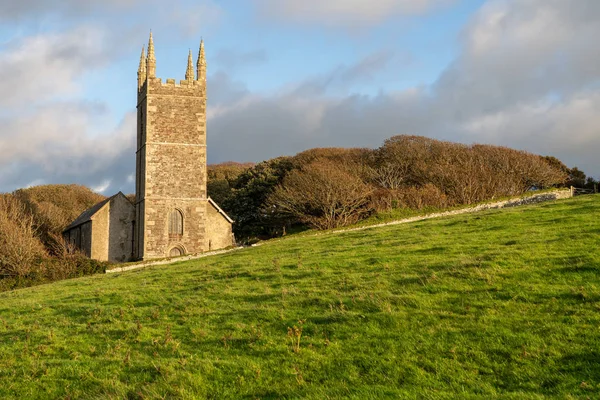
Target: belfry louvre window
pixel 175 224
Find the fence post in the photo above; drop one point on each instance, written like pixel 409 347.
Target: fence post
pixel 595 188
pixel 572 191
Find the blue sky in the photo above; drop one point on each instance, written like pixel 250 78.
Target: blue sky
pixel 285 76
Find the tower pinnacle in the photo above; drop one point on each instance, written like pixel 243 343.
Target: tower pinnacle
pixel 151 60
pixel 189 73
pixel 142 68
pixel 201 64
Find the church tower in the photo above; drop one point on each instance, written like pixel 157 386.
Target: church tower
pixel 174 215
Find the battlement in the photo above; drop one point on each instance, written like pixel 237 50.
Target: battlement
pixel 183 82
pixel 147 70
pixel 172 87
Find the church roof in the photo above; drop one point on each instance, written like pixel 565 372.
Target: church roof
pixel 87 215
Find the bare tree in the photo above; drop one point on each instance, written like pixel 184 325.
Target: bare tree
pixel 20 249
pixel 322 194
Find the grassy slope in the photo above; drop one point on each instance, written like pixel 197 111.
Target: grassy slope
pixel 499 304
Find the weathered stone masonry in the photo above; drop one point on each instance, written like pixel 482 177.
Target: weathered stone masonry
pixel 171 163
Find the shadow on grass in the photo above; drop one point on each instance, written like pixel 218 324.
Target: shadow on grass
pixel 431 250
pixel 583 366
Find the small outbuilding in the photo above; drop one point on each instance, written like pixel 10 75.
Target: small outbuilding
pixel 105 231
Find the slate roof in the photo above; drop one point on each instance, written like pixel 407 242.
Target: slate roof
pixel 87 215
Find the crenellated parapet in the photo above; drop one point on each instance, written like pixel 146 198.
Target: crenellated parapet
pixel 195 80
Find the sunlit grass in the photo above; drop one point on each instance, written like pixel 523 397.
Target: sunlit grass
pixel 499 304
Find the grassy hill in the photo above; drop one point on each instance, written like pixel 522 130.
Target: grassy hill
pixel 500 304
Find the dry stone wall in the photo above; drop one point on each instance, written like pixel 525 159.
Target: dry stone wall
pixel 514 202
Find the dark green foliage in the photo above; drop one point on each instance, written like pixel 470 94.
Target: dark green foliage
pixel 577 178
pixel 496 305
pixel 252 188
pixel 219 190
pixel 221 178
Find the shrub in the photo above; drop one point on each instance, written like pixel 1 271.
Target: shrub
pixel 465 174
pixel 53 207
pixel 323 195
pixel 50 269
pixel 20 249
pixel 417 198
pixel 250 192
pixel 221 178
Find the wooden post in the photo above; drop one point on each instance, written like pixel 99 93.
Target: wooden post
pixel 572 191
pixel 595 188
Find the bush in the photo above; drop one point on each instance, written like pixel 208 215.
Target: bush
pixel 20 249
pixel 465 174
pixel 323 195
pixel 53 207
pixel 50 269
pixel 406 171
pixel 418 198
pixel 221 178
pixel 247 204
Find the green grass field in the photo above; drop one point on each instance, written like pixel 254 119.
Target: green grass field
pixel 499 304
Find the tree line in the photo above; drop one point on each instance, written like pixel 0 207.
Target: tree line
pixel 326 188
pixel 319 188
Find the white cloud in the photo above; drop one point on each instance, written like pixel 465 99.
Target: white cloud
pixel 53 145
pixel 101 188
pixel 354 13
pixel 188 19
pixel 47 132
pixel 527 77
pixel 40 67
pixel 569 128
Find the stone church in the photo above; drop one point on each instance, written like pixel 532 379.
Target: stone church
pixel 172 214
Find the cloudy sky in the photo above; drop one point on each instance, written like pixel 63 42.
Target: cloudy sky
pixel 287 75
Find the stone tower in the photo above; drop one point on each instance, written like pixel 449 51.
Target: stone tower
pixel 174 216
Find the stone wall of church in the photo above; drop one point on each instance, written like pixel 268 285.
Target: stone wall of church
pixel 80 238
pixel 100 238
pixel 158 241
pixel 111 231
pixel 218 229
pixel 121 215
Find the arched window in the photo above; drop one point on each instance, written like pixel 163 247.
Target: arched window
pixel 175 224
